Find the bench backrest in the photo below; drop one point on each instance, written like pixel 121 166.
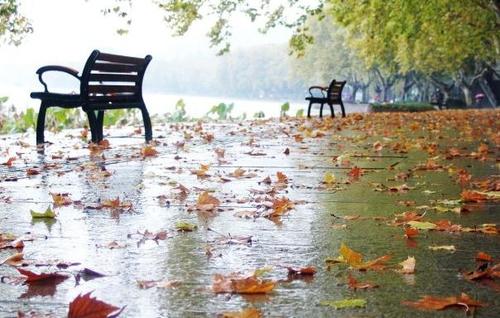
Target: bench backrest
pixel 335 90
pixel 113 78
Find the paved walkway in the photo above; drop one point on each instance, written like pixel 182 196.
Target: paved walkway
pixel 264 164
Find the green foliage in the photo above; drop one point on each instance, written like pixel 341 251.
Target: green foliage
pixel 284 108
pixel 119 117
pixel 401 107
pixel 300 113
pixel 223 111
pixel 259 115
pixel 13 26
pixel 179 115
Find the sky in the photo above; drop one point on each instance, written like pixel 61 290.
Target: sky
pixel 66 31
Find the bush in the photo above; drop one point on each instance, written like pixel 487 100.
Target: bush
pixel 401 107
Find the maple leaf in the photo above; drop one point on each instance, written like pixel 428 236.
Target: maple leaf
pixel 279 207
pixel 89 307
pixel 282 178
pixel 356 172
pixel 483 271
pixel 245 313
pixel 61 199
pixel 149 151
pixel 33 277
pixel 202 172
pixel 406 217
pixel 440 303
pixel 220 153
pixel 206 202
pixel 329 178
pixel 236 283
pixel 355 260
pixel 354 284
pixel 116 204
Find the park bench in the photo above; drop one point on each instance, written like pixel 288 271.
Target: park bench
pixel 331 95
pixel 108 81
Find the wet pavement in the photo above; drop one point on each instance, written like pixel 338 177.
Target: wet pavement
pixel 392 150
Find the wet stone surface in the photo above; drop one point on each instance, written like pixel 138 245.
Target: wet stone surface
pixel 409 162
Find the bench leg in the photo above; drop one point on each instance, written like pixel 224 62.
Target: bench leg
pixel 99 126
pixel 343 109
pixel 40 123
pixel 147 123
pixel 321 110
pixel 93 126
pixel 331 110
pixel 309 110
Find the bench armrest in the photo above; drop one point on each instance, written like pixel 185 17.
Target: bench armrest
pixel 58 68
pixel 320 88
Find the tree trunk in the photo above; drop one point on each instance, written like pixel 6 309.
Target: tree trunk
pixel 355 89
pixel 485 86
pixel 467 94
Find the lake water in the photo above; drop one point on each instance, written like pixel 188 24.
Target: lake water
pixel 196 106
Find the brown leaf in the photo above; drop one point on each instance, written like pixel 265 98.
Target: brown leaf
pixel 440 303
pixel 89 307
pixel 303 271
pixel 206 202
pixel 473 196
pixel 14 260
pixel 61 199
pixel 149 151
pixel 236 283
pixel 483 257
pixel 245 313
pixel 354 284
pixel 411 232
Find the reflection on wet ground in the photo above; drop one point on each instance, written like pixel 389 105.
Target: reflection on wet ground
pixel 136 237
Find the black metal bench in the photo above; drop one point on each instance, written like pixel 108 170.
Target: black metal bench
pixel 331 95
pixel 108 81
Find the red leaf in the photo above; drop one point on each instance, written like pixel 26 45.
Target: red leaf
pixel 89 307
pixel 33 277
pixel 482 256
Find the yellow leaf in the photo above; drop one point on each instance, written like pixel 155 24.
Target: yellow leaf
pixel 329 178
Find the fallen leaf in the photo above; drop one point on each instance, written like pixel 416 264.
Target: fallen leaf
pixel 48 214
pixel 61 199
pixel 282 178
pixel 183 226
pixel 449 248
pixel 483 257
pixel 440 303
pixel 149 151
pixel 34 277
pixel 303 271
pixel 422 225
pixel 244 313
pixel 354 284
pixel 89 307
pixel 206 202
pixel 14 260
pixel 344 303
pixel 238 284
pixel 411 232
pixel 408 266
pixel 329 178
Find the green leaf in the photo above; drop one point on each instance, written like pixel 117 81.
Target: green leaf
pixel 48 214
pixel 344 303
pixel 422 225
pixel 184 226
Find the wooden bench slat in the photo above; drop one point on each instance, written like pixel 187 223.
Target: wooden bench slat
pixel 112 89
pixel 120 59
pixel 113 78
pixel 115 68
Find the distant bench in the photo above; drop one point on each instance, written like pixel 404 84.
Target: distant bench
pixel 331 95
pixel 108 81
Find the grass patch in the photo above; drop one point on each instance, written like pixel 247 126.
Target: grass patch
pixel 401 107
